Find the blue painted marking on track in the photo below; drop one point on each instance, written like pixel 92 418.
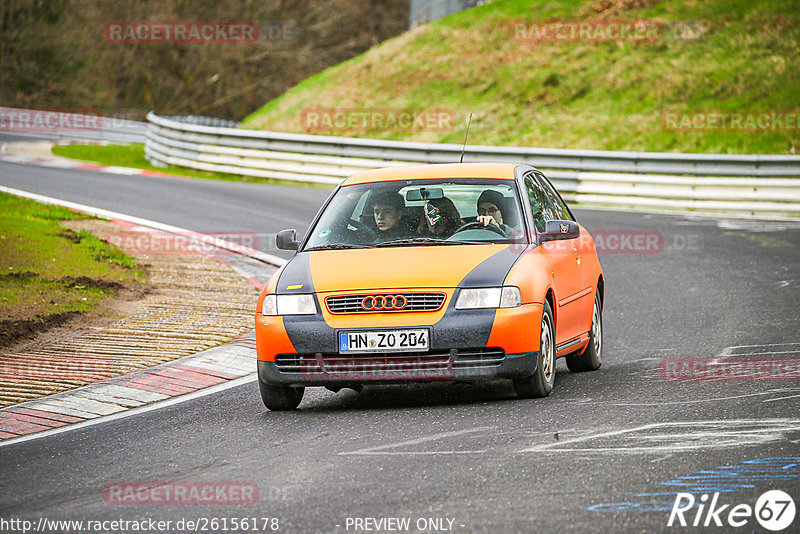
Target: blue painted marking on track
pixel 722 479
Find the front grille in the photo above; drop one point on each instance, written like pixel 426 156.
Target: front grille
pixel 390 365
pixel 477 358
pixel 414 302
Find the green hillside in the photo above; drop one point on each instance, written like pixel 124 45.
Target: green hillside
pixel 712 55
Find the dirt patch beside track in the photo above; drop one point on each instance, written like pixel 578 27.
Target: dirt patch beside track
pixel 193 302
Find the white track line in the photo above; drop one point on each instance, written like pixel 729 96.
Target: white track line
pixel 782 398
pixel 715 427
pixel 697 401
pixel 381 449
pixel 108 214
pixel 134 411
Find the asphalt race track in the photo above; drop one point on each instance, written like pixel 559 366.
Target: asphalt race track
pixel 209 206
pixel 608 451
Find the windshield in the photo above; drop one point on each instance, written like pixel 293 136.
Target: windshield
pixel 435 212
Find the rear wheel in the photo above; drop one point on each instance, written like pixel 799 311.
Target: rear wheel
pixel 589 359
pixel 280 398
pixel 540 383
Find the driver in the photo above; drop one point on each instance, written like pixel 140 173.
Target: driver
pixel 388 208
pixel 490 210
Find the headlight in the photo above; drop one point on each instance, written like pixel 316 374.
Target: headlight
pixel 511 297
pixel 489 297
pixel 296 305
pixel 288 305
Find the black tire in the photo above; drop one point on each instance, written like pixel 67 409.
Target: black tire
pixel 540 383
pixel 280 398
pixel 590 358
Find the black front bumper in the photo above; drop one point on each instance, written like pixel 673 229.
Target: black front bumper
pixel 325 369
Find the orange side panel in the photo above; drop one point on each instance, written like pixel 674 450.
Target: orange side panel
pixel 271 338
pixel 272 284
pixel 533 275
pixel 585 307
pixel 517 329
pixel 268 288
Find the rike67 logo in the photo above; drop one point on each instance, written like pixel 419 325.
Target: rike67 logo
pixel 774 510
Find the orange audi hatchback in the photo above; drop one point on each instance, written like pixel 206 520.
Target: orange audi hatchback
pixel 451 272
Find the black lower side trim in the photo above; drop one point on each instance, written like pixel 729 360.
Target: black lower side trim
pixel 568 344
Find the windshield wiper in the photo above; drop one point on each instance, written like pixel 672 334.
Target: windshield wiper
pixel 418 241
pixel 335 246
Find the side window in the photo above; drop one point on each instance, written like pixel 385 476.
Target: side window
pixel 554 199
pixel 360 210
pixel 541 208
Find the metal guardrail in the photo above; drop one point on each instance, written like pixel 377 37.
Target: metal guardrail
pixel 201 120
pixel 62 125
pixel 424 11
pixel 756 184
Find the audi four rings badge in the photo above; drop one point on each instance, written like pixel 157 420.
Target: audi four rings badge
pixel 384 302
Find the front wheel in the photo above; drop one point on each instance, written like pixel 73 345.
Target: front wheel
pixel 280 398
pixel 589 359
pixel 540 383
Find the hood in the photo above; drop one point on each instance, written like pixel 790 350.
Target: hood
pixel 398 267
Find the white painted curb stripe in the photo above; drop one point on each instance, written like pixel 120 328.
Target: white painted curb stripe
pixel 133 411
pixel 121 170
pixel 108 214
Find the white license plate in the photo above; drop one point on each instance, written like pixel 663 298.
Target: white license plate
pixel 384 341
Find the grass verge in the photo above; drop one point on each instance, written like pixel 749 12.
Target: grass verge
pixel 133 156
pixel 583 93
pixel 50 273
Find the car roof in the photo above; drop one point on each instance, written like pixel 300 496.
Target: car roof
pixel 501 171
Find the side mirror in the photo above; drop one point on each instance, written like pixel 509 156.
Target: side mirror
pixel 287 240
pixel 558 230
